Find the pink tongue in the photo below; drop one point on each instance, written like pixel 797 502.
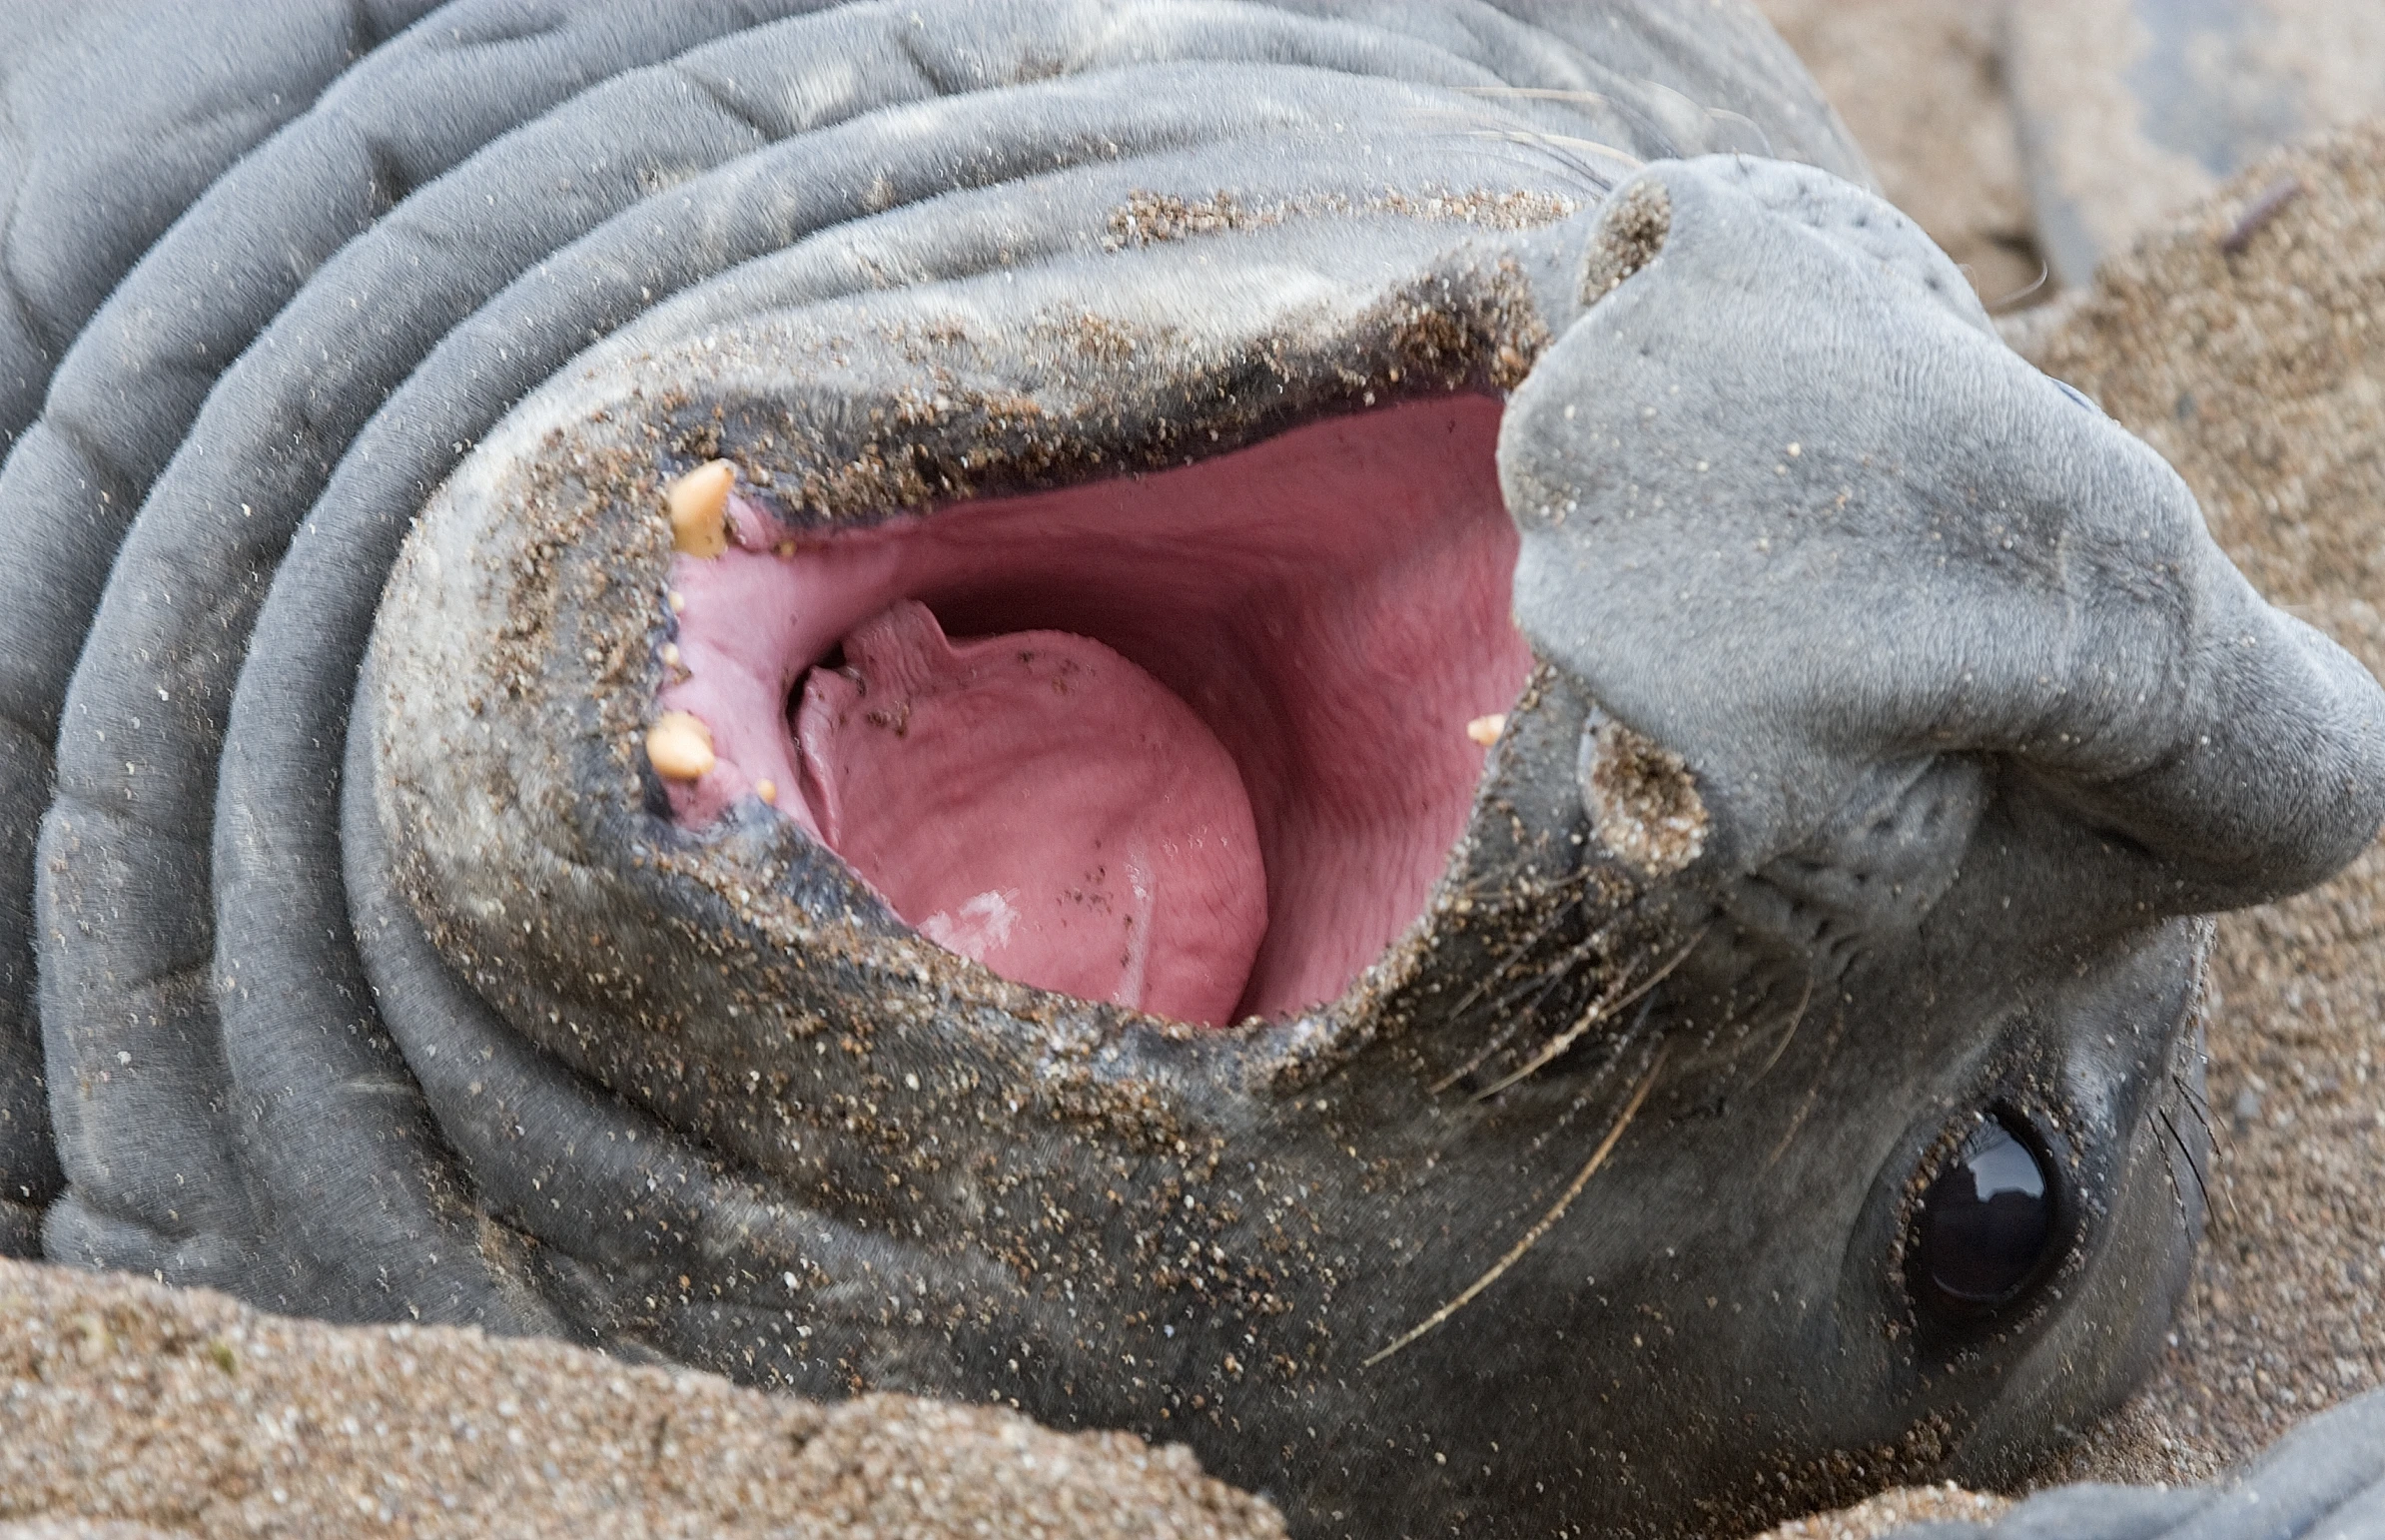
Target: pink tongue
pixel 1039 804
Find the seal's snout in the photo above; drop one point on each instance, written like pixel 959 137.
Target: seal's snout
pixel 1791 508
pixel 1917 693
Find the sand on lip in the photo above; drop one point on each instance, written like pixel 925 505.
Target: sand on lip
pixel 129 1409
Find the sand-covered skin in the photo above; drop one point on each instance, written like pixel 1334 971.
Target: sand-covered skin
pixel 127 1408
pixel 1919 85
pixel 118 1407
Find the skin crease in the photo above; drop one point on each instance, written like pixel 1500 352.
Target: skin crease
pixel 1886 735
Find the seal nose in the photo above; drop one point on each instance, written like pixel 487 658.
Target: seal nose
pixel 1834 522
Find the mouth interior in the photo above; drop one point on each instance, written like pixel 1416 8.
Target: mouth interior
pixel 1194 742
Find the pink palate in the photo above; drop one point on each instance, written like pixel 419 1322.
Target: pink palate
pixel 1289 640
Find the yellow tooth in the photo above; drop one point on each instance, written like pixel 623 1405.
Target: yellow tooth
pixel 678 601
pixel 1485 730
pixel 671 654
pixel 699 505
pixel 680 746
pixel 767 790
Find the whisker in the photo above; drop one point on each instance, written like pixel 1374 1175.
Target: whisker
pixel 1591 1088
pixel 1546 1222
pixel 1805 1109
pixel 2202 1114
pixel 1559 141
pixel 1498 970
pixel 1600 98
pixel 1598 1012
pixel 2045 271
pixel 1796 1019
pixel 1499 883
pixel 1588 180
pixel 1552 968
pixel 1548 978
pixel 2187 1156
pixel 1540 94
pixel 1502 1037
pixel 1594 1084
pixel 1595 183
pixel 1633 114
pixel 2178 1193
pixel 1729 1017
pixel 1725 112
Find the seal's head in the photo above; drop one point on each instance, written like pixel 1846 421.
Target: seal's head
pixel 1502 878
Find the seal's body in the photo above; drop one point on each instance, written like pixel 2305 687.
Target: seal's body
pixel 1616 944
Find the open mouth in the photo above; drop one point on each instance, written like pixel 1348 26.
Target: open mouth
pixel 1196 742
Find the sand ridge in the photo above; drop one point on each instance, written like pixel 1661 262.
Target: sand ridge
pixel 130 1408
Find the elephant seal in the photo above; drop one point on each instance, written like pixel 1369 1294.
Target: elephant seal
pixel 1765 1069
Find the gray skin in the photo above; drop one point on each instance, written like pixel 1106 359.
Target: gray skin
pixel 1973 719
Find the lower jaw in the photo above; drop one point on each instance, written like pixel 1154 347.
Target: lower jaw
pixel 1235 818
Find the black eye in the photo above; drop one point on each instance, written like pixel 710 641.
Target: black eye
pixel 1983 1228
